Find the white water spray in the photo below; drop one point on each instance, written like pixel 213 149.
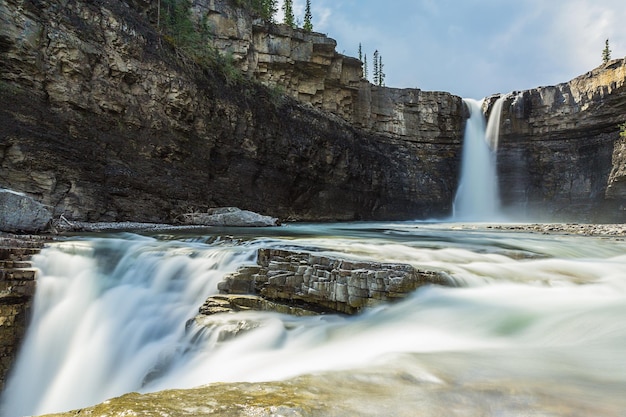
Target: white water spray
pixel 477 197
pixel 110 318
pixel 108 314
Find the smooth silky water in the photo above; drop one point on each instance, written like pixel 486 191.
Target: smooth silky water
pixel 536 326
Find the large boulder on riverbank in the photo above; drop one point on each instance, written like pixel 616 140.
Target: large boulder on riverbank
pixel 21 213
pixel 230 217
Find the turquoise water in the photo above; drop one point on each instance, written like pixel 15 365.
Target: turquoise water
pixel 542 315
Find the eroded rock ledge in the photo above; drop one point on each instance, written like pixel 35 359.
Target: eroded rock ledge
pixel 319 283
pixel 17 289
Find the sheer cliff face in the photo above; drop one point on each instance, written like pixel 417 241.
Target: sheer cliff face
pixel 103 121
pixel 560 153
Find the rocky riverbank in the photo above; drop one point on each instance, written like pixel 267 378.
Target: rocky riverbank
pixel 581 229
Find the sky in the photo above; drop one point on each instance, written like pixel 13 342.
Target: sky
pixel 474 48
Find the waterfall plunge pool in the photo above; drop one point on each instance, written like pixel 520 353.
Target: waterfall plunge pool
pixel 537 325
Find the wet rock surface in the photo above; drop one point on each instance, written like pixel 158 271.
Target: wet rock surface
pixel 17 289
pixel 390 391
pixel 328 283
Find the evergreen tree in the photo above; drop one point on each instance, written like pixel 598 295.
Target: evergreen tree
pixel 606 53
pixel 381 73
pixel 365 72
pixel 266 8
pixel 308 25
pixel 289 18
pixel 360 53
pixel 376 69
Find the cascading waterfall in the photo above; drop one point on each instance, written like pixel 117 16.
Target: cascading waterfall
pixel 108 313
pixel 477 197
pixel 112 316
pixel 492 133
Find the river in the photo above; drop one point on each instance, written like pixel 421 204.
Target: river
pixel 536 325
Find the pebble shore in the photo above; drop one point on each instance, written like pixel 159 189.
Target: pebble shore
pixel 582 229
pixel 591 229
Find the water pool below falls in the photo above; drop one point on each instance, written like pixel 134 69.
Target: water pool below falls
pixel 536 327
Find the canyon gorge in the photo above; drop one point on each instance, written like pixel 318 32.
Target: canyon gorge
pixel 107 122
pixel 105 119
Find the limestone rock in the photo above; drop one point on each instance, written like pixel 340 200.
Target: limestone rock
pixel 228 303
pixel 17 288
pixel 20 213
pixel 306 66
pixel 325 283
pixel 107 123
pixel 230 217
pixel 561 157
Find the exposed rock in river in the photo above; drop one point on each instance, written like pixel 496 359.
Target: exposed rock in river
pixel 325 283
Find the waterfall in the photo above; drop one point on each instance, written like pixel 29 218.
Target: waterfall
pixel 492 132
pixel 108 315
pixel 112 316
pixel 477 197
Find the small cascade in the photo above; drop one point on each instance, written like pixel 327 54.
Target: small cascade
pixel 477 197
pixel 493 126
pixel 108 315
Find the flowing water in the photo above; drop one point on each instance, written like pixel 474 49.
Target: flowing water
pixel 537 325
pixel 478 197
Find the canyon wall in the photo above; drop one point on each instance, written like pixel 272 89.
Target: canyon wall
pixel 561 156
pixel 108 121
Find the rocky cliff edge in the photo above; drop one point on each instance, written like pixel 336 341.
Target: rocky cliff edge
pixel 107 121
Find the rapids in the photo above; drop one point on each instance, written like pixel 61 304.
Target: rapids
pixel 542 315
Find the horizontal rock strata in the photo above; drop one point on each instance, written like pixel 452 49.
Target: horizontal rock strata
pixel 561 157
pixel 108 122
pixel 327 283
pixel 17 289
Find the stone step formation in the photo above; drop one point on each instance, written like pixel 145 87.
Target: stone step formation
pixel 17 288
pixel 303 283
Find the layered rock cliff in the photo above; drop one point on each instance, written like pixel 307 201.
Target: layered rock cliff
pixel 17 288
pixel 561 156
pixel 108 122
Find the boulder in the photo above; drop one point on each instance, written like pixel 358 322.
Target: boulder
pixel 21 213
pixel 230 217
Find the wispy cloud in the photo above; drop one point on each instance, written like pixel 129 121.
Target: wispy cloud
pixel 475 47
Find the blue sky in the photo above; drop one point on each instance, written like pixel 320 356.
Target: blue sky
pixel 474 48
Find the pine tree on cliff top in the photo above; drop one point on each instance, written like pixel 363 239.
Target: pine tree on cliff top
pixel 308 25
pixel 376 74
pixel 381 73
pixel 606 53
pixel 266 8
pixel 288 18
